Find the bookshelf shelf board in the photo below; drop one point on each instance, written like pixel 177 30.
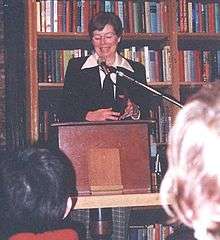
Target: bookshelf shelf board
pixel 192 41
pixel 122 200
pixel 62 36
pixel 190 84
pixel 48 86
pixel 146 36
pixel 199 36
pixel 84 36
pixel 160 84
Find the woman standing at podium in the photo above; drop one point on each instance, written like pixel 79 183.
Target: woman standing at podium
pixel 94 92
pixel 85 97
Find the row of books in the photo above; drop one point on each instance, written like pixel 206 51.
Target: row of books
pixel 150 232
pixel 52 64
pixel 73 15
pixel 160 131
pixel 195 65
pixel 199 65
pixel 198 16
pixel 156 62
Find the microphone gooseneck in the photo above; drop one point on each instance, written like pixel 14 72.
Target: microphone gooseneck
pixel 152 90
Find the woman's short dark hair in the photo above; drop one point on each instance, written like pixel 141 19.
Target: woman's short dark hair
pixel 35 186
pixel 101 19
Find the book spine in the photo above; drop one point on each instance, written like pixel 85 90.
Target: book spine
pixel 167 63
pixel 59 16
pixel 130 16
pixel 198 76
pixel 48 16
pixel 195 17
pixel 135 13
pixel 218 64
pixel 190 17
pixel 79 13
pixel 200 16
pixel 38 11
pixel 185 22
pixel 146 63
pixel 121 12
pixel 152 65
pixel 53 66
pixel 49 66
pixel 52 15
pixel 181 65
pixel 205 66
pixel 57 66
pixel 153 16
pixel 186 69
pixel 147 17
pixel 40 65
pixel 204 17
pixel 82 12
pixel 211 17
pixel 164 17
pixel 55 19
pixel 64 8
pixel 217 17
pixel 74 16
pixel 86 16
pixel 68 17
pixel 62 73
pixel 92 8
pixel 43 16
pixel 126 16
pixel 158 11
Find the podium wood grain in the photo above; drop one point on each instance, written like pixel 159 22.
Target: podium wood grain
pixel 119 149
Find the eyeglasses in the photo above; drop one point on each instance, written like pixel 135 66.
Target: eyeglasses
pixel 108 37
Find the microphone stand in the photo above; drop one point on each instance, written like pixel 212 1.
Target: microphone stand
pixel 172 100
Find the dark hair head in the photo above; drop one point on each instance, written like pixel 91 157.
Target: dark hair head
pixel 100 20
pixel 35 186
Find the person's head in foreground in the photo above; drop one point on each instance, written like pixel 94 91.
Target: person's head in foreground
pixel 192 181
pixel 35 191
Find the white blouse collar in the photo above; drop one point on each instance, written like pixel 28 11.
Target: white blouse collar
pixel 119 62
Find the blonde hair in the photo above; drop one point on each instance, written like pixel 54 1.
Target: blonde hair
pixel 192 181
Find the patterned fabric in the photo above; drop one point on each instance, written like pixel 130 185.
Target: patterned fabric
pixel 120 217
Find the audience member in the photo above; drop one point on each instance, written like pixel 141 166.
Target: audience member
pixel 35 195
pixel 193 177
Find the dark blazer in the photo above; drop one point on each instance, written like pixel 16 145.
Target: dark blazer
pixel 82 90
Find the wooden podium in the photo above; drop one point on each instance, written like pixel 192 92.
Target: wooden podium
pixel 109 158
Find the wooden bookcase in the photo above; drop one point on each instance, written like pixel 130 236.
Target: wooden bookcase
pixel 179 35
pixel 177 38
pixel 37 40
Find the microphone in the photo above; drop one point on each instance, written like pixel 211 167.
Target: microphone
pixel 104 67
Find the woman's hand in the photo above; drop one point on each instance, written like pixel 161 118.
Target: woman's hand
pixel 102 115
pixel 131 110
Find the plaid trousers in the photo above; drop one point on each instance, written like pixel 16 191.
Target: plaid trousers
pixel 120 218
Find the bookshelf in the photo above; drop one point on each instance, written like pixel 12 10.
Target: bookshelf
pixel 189 30
pixel 48 43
